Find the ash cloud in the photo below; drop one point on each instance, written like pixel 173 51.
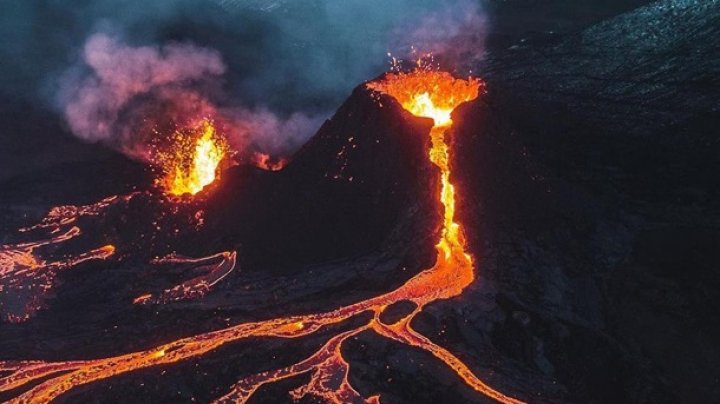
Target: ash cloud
pixel 271 69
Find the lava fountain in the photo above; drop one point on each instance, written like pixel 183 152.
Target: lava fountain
pixel 423 92
pixel 435 94
pixel 192 161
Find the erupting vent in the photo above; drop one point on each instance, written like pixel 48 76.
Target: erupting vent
pixel 435 94
pixel 423 92
pixel 428 93
pixel 192 161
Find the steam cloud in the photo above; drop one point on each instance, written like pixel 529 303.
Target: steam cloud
pixel 126 96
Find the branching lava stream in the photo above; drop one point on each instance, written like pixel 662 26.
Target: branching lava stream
pixel 423 92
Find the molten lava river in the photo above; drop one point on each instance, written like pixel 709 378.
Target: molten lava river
pixel 424 93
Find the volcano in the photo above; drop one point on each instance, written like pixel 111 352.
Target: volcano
pixel 376 172
pixel 410 251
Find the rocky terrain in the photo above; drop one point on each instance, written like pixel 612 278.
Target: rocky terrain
pixel 587 177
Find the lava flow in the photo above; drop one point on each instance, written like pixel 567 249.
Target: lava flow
pixel 197 287
pixel 192 161
pixel 27 276
pixel 423 92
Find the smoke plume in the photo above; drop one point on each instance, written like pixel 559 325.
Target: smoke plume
pixel 267 72
pixel 129 96
pixel 119 73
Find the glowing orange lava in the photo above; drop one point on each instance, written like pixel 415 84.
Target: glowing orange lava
pixel 193 159
pixel 27 276
pixel 423 92
pixel 267 163
pixel 214 268
pixel 435 94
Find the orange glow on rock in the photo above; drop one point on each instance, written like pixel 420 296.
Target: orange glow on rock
pixel 265 162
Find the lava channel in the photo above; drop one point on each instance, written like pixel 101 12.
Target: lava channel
pixel 423 92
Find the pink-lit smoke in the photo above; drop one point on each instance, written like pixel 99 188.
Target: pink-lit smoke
pixel 131 97
pixel 128 97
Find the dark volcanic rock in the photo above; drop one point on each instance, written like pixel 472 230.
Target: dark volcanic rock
pixel 589 185
pixel 629 105
pixel 354 215
pixel 342 194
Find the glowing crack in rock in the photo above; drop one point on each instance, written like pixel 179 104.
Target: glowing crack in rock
pixel 214 268
pixel 423 92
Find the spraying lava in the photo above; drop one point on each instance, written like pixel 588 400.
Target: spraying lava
pixel 424 92
pixel 193 159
